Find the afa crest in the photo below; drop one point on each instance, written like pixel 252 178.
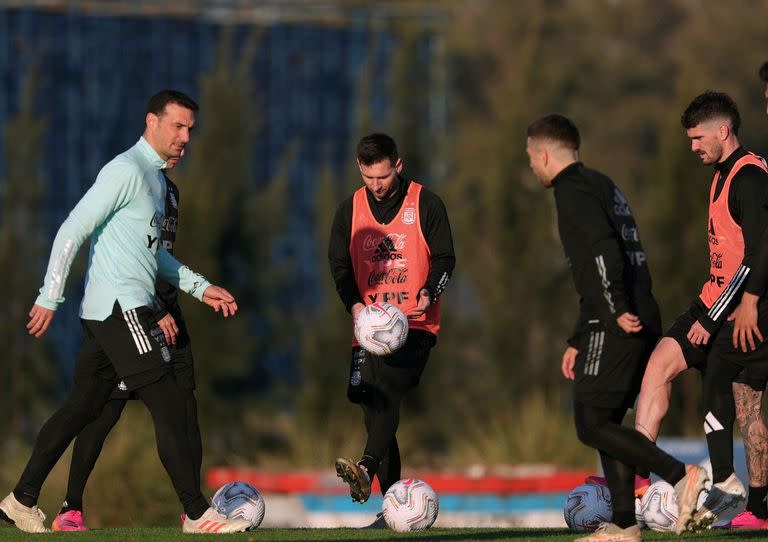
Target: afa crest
pixel 409 215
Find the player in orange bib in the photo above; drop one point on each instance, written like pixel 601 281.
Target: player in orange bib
pixel 726 310
pixel 390 241
pixel 748 401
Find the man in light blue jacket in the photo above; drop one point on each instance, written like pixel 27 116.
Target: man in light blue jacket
pixel 123 214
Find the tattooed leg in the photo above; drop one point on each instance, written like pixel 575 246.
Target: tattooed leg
pixel 753 431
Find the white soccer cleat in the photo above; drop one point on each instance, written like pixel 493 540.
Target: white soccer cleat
pixel 27 519
pixel 213 522
pixel 687 493
pixel 723 496
pixel 610 532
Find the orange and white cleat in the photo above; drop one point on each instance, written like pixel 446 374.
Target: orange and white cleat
pixel 214 522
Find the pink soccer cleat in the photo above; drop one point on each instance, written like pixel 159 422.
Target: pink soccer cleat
pixel 71 520
pixel 641 486
pixel 747 520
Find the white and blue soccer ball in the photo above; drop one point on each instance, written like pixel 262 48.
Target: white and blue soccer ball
pixel 381 328
pixel 410 505
pixel 587 506
pixel 240 500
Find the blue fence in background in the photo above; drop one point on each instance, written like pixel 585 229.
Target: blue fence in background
pixel 97 70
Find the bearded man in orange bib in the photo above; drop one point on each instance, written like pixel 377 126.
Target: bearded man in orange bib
pixel 723 329
pixel 390 241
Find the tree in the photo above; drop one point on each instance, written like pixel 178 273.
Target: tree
pixel 229 223
pixel 30 374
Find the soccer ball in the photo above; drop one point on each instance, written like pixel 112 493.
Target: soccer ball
pixel 410 505
pixel 587 506
pixel 639 514
pixel 659 506
pixel 381 328
pixel 240 500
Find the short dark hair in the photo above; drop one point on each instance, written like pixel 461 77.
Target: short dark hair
pixel 376 147
pixel 156 104
pixel 709 106
pixel 763 73
pixel 556 128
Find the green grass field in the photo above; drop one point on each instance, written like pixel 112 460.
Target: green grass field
pixel 351 535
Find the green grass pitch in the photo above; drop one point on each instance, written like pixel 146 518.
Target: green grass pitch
pixel 352 535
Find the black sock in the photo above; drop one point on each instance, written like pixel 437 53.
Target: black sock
pixel 624 519
pixel 197 510
pixel 756 501
pixel 370 463
pixel 66 506
pixel 27 500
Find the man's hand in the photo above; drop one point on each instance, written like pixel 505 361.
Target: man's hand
pixel 569 362
pixel 629 322
pixel 220 299
pixel 170 329
pixel 356 309
pixel 40 319
pixel 745 323
pixel 422 306
pixel 697 334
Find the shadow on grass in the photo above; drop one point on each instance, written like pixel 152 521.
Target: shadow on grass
pixel 469 534
pixel 495 534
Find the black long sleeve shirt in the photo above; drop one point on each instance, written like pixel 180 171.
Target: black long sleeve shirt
pixel 748 205
pixel 602 244
pixel 434 225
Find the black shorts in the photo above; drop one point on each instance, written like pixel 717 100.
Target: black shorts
pixel 133 344
pixel 609 368
pixel 754 375
pixel 755 362
pixel 182 364
pixel 395 374
pixel 695 354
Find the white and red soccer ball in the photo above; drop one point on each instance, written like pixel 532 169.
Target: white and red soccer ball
pixel 381 328
pixel 410 505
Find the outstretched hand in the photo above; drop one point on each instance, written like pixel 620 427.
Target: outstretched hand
pixel 220 300
pixel 40 320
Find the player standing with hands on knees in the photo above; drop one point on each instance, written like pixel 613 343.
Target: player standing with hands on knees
pixel 619 320
pixel 122 213
pixel 390 241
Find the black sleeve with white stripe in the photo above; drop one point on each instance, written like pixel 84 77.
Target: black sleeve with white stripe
pixel 727 301
pixel 609 266
pixel 437 233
